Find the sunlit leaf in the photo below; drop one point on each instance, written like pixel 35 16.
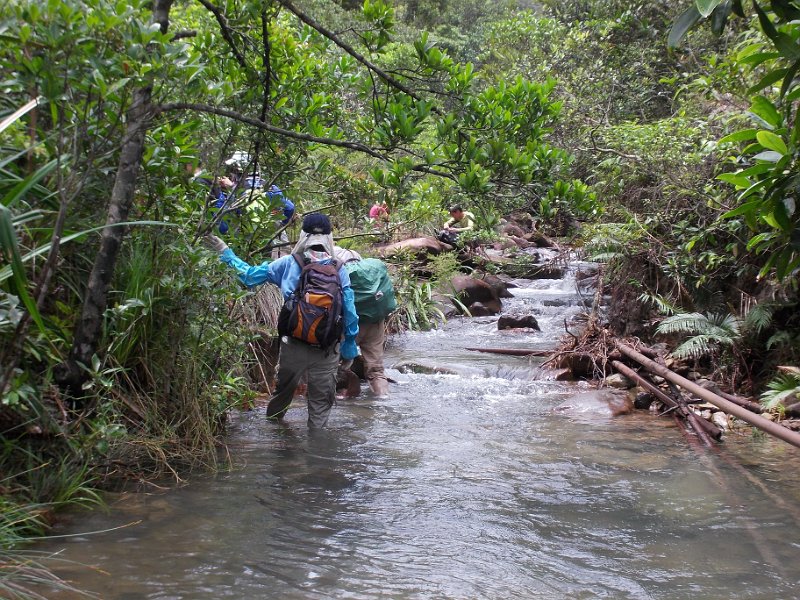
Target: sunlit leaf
pixel 772 142
pixel 739 136
pixel 706 7
pixel 766 110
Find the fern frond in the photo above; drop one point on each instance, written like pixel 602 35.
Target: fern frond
pixel 715 325
pixel 663 305
pixel 729 323
pixel 760 317
pixel 780 338
pixel 694 347
pixel 605 257
pixel 683 323
pixel 784 389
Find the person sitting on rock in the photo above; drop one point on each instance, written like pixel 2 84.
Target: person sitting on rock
pixel 460 221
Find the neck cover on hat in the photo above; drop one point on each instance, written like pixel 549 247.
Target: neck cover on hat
pixel 314 239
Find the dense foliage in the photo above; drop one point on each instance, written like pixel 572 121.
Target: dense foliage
pixel 122 344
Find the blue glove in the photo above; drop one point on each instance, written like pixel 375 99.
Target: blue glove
pixel 349 349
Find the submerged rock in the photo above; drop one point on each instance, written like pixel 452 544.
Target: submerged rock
pixel 605 402
pixel 518 322
pixel 412 367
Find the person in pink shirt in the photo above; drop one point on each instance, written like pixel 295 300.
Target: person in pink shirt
pixel 379 212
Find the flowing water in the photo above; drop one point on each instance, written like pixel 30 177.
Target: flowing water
pixel 463 484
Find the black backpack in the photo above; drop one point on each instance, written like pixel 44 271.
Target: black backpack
pixel 313 313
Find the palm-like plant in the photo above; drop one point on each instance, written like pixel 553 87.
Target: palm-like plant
pixel 783 390
pixel 708 332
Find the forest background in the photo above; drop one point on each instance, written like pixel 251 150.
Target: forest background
pixel 661 137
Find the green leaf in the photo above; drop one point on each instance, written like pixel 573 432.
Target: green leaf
pixel 763 108
pixel 757 58
pixel 789 79
pixel 757 169
pixel 772 142
pixel 748 207
pixel 26 184
pixel 766 25
pixel 740 136
pixel 779 213
pixel 768 156
pixel 6 271
pixel 785 10
pixel 735 179
pixel 755 241
pixel 9 250
pixel 719 17
pixel 706 7
pixel 688 19
pixel 783 42
pixel 787 46
pixel 768 80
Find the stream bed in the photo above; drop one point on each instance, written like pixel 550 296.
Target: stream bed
pixel 463 484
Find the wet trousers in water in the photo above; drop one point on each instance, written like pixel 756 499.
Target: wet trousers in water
pixel 371 339
pixel 319 366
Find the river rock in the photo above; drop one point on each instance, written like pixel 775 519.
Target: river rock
pixel 618 381
pixel 478 309
pixel 601 403
pixel 534 270
pixel 517 322
pixel 348 384
pixel 412 367
pixel 512 229
pixel 522 219
pixel 580 364
pixel 550 374
pixel 643 400
pixel 420 247
pixel 500 286
pixel 720 419
pixel 470 291
pixel 521 242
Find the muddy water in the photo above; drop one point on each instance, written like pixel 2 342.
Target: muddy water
pixel 460 485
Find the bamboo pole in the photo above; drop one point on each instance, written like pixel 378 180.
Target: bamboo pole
pixel 512 351
pixel 727 406
pixel 743 402
pixel 703 428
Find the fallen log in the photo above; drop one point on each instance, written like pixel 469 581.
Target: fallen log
pixel 512 351
pixel 743 402
pixel 702 427
pixel 727 406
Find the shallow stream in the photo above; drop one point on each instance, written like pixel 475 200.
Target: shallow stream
pixel 460 485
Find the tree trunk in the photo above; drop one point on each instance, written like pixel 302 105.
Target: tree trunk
pixel 89 327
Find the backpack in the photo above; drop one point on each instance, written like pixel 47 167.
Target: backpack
pixel 313 313
pixel 372 289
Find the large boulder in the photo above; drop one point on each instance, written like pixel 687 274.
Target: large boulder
pixel 540 240
pixel 420 247
pixel 512 230
pixel 500 286
pixel 470 291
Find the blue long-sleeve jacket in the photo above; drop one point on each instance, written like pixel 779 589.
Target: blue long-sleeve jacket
pixel 285 273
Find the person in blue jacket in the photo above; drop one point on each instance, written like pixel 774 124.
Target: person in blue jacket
pixel 298 358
